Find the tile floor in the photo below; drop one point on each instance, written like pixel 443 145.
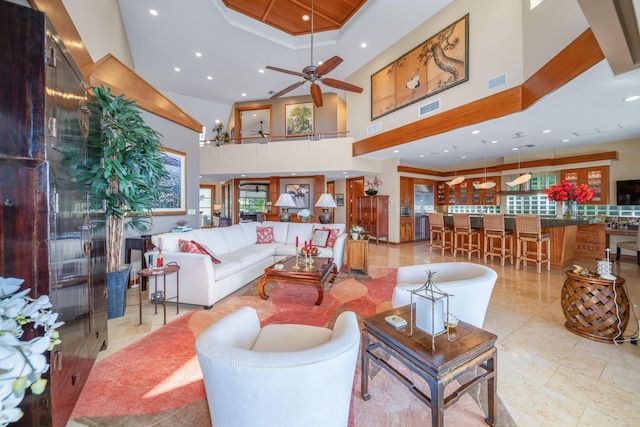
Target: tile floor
pixel 547 376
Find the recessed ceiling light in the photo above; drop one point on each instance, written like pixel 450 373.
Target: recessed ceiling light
pixel 177 69
pixel 546 131
pixel 244 94
pixel 495 141
pixel 445 151
pixel 421 155
pixel 261 71
pixel 153 12
pixel 198 54
pixel 632 98
pixel 243 175
pixel 463 157
pixel 319 62
pixel 363 45
pixel 344 173
pixel 475 132
pixel 396 151
pixel 209 78
pixel 305 17
pixel 293 173
pixel 565 140
pixel 515 149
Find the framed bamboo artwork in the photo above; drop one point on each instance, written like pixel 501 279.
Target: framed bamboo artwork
pixel 437 64
pixel 174 200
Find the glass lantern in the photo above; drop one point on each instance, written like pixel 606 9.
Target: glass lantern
pixel 430 310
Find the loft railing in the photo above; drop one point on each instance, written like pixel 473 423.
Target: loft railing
pixel 274 138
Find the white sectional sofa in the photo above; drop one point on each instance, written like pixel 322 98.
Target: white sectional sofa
pixel 242 259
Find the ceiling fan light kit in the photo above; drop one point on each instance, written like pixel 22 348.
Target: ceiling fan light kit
pixel 315 74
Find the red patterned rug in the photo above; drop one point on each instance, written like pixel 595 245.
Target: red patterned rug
pixel 157 380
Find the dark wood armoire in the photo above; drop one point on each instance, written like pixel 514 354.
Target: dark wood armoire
pixel 372 212
pixel 52 229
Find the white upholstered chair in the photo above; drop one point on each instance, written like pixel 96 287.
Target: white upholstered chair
pixel 470 286
pixel 630 245
pixel 280 375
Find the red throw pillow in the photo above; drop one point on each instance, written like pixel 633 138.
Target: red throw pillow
pixel 333 236
pixel 195 248
pixel 265 235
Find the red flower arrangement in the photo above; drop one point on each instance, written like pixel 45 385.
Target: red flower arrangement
pixel 566 191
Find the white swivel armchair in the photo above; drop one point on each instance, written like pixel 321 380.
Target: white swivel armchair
pixel 279 375
pixel 469 284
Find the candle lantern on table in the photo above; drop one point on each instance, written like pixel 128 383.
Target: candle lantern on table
pixel 429 309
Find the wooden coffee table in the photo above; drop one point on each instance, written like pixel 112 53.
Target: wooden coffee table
pixel 315 276
pixel 466 349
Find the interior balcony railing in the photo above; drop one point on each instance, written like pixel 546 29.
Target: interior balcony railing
pixel 273 138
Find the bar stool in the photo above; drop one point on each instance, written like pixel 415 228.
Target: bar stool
pixel 463 235
pixel 438 231
pixel 528 229
pixel 494 230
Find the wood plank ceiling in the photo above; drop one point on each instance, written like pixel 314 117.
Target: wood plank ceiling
pixel 286 15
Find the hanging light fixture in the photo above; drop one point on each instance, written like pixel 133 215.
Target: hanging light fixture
pixel 458 179
pixel 485 185
pixel 522 178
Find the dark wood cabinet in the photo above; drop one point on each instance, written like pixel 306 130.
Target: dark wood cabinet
pixel 406 230
pixel 372 212
pixel 595 177
pixel 52 231
pixel 406 191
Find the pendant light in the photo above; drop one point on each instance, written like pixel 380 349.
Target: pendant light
pixel 485 185
pixel 522 178
pixel 458 179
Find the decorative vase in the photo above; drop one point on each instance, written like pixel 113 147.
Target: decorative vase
pixel 371 192
pixel 354 236
pixel 569 209
pixel 304 219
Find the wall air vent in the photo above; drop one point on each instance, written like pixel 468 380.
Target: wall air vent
pixel 374 128
pixel 428 108
pixel 498 81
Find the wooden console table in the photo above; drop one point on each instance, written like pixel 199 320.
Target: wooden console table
pixel 358 255
pixel 595 308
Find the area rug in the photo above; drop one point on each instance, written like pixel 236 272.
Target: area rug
pixel 157 380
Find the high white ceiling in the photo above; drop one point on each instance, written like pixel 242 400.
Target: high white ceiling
pixel 588 110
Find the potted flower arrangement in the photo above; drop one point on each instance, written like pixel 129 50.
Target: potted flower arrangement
pixel 304 215
pixel 371 187
pixel 23 361
pixel 570 195
pixel 356 231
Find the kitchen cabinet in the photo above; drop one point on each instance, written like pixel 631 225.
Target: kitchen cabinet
pixel 406 191
pixel 466 194
pixel 442 194
pixel 52 232
pixel 372 213
pixel 406 230
pixel 595 177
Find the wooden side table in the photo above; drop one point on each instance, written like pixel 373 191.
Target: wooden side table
pixel 358 255
pixel 168 269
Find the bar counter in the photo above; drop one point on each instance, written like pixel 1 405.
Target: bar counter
pixel 563 234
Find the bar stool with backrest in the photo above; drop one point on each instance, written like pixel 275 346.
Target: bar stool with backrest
pixel 630 245
pixel 463 235
pixel 528 230
pixel 438 232
pixel 493 225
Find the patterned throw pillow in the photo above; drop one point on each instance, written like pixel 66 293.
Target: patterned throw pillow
pixel 265 235
pixel 319 238
pixel 333 236
pixel 194 247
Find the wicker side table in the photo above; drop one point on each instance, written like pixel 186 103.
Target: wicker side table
pixel 592 307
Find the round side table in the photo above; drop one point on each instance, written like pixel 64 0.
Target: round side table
pixel 168 269
pixel 594 307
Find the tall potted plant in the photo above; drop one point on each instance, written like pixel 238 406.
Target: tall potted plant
pixel 132 176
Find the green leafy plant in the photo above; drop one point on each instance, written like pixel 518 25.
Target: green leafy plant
pixel 132 175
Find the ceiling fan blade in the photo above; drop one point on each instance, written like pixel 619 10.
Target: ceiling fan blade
pixel 282 70
pixel 339 84
pixel 287 89
pixel 327 66
pixel 316 94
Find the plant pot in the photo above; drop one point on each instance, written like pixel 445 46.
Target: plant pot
pixel 117 282
pixel 371 192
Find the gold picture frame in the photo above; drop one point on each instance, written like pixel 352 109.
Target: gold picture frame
pixel 439 63
pixel 299 119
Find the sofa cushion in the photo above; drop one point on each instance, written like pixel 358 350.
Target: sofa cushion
pixel 170 241
pixel 264 235
pixel 213 239
pixel 333 236
pixel 304 232
pixel 279 230
pixel 234 237
pixel 225 269
pixel 319 238
pixel 246 257
pixel 285 338
pixel 249 230
pixel 339 226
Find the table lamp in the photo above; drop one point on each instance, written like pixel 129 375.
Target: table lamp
pixel 325 202
pixel 285 202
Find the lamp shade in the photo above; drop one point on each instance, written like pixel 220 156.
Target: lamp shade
pixel 326 201
pixel 217 207
pixel 286 201
pixel 455 181
pixel 484 186
pixel 519 180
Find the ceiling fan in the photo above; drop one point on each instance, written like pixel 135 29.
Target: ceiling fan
pixel 315 74
pixel 261 132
